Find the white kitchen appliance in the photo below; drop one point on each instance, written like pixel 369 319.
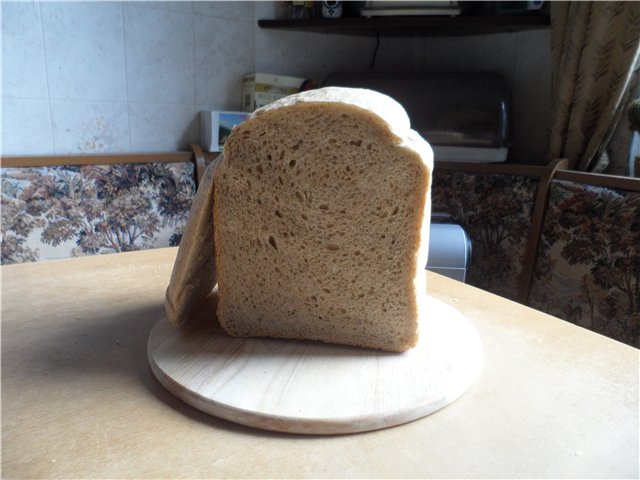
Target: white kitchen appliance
pixel 449 251
pixel 463 116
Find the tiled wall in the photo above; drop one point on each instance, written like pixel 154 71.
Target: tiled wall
pixel 91 77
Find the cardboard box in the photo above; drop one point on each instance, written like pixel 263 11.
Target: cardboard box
pixel 215 127
pixel 260 89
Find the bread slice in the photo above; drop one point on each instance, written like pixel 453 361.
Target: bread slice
pixel 194 270
pixel 321 213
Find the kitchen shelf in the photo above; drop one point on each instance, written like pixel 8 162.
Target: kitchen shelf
pixel 420 26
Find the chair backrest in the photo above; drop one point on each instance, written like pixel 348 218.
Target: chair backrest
pixel 587 267
pixel 495 205
pixel 59 207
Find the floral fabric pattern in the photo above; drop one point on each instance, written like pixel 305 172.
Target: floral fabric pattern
pixel 66 211
pixel 496 211
pixel 588 263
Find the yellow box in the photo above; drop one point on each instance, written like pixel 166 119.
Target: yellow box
pixel 260 89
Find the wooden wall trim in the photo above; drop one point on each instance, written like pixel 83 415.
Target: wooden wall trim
pixel 107 159
pixel 100 159
pixel 537 219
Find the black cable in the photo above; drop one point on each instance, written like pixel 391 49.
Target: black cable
pixel 375 51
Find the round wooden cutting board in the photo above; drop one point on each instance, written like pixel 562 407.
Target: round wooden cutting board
pixel 313 387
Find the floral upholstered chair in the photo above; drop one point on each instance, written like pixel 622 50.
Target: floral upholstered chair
pixel 587 268
pixel 63 211
pixel 496 211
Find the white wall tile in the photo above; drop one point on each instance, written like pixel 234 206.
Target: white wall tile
pixel 529 138
pixel 161 62
pixel 532 76
pixel 224 53
pixel 327 54
pixel 159 53
pixel 237 10
pixel 401 54
pixel 162 128
pixel 276 51
pixel 280 53
pixel 269 10
pixel 89 127
pixel 180 6
pixel 490 53
pixel 26 127
pixel 23 66
pixel 84 50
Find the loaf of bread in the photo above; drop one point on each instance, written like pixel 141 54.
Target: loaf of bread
pixel 321 213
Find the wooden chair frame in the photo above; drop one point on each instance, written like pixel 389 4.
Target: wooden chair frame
pixel 196 155
pixel 556 170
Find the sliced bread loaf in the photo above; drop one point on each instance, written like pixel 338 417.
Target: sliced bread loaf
pixel 321 214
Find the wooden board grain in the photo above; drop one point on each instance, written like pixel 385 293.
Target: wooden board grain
pixel 313 387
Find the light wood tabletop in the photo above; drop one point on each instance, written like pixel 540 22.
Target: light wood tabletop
pixel 79 399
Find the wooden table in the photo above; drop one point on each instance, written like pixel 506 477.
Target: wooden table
pixel 79 400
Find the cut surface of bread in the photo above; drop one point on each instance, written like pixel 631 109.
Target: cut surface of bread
pixel 321 216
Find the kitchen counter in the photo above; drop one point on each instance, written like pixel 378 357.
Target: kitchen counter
pixel 79 399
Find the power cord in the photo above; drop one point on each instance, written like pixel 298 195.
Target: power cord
pixel 375 51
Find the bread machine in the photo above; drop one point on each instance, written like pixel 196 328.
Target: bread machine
pixel 463 116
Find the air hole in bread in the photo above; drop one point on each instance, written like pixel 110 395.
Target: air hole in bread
pixel 272 242
pixel 333 247
pixel 278 214
pixel 323 206
pixel 300 197
pixel 292 163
